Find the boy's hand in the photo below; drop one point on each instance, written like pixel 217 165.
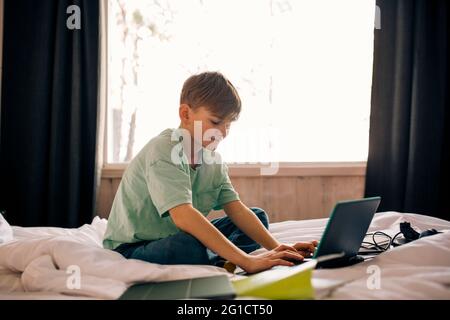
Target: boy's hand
pixel 306 249
pixel 276 257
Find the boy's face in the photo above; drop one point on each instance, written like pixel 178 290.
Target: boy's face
pixel 213 128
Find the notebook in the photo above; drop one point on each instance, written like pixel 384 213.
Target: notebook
pixel 215 287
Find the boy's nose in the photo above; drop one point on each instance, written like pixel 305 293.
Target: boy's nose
pixel 224 133
pixel 224 130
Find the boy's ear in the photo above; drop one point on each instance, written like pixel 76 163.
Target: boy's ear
pixel 184 112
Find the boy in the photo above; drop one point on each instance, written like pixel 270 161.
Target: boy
pixel 159 211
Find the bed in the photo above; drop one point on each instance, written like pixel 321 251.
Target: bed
pixel 57 263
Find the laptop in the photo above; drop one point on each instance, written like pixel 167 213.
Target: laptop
pixel 344 233
pixel 338 247
pixel 215 287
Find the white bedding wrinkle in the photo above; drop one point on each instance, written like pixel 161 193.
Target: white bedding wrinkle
pixel 61 263
pixel 6 232
pixel 43 256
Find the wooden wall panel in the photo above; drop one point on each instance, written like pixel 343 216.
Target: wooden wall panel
pixel 309 194
pixel 283 198
pixel 279 197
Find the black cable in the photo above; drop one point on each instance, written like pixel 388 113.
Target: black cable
pixel 379 245
pixel 393 239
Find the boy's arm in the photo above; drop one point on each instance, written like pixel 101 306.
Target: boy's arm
pixel 188 219
pixel 246 221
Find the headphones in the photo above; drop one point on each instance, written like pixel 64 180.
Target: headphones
pixel 410 234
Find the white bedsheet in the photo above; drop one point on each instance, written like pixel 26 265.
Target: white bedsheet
pixel 34 265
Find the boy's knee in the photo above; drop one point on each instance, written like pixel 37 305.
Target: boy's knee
pixel 192 250
pixel 262 216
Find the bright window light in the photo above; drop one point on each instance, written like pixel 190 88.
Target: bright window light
pixel 303 70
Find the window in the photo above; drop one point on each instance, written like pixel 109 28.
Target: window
pixel 303 70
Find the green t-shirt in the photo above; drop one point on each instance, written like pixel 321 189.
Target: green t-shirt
pixel 156 181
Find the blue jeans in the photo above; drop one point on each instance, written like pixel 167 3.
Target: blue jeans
pixel 182 248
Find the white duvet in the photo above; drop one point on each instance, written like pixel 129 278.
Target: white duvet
pixel 46 262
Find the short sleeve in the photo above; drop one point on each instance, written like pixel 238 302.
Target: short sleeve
pixel 227 193
pixel 168 185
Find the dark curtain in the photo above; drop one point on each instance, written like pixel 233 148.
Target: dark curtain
pixel 48 113
pixel 409 159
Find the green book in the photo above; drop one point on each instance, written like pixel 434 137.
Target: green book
pixel 284 283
